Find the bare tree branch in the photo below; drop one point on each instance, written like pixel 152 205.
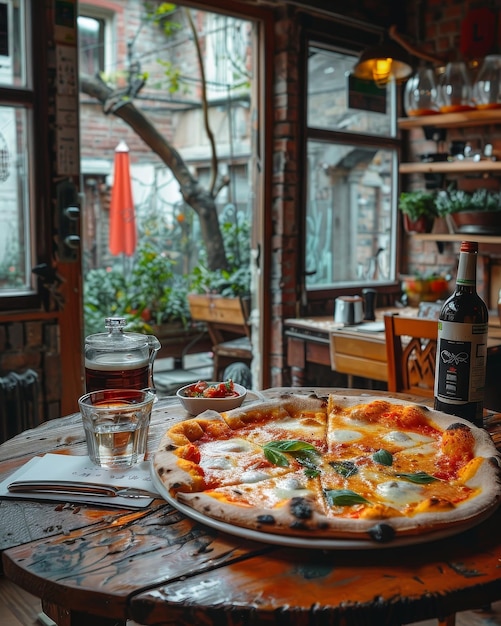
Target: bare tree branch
pixel 208 130
pixel 196 196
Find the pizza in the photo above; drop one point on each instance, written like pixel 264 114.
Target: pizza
pixel 340 467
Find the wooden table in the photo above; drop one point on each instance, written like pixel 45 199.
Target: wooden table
pixel 351 351
pixel 101 566
pixel 309 340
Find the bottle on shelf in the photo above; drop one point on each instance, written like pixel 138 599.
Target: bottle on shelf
pixel 420 94
pixel 462 344
pixel 487 86
pixel 455 90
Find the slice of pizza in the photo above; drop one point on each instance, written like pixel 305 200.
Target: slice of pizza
pixel 409 467
pixel 291 504
pixel 240 446
pixel 204 453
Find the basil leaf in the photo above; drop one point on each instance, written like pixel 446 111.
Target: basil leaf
pixel 307 458
pixel 344 468
pixel 293 445
pixel 277 458
pixel 273 451
pixel 383 456
pixel 344 497
pixel 422 478
pixel 311 472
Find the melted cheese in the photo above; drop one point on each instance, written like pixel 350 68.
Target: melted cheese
pixel 424 450
pixel 218 462
pixel 227 446
pixel 399 492
pixel 344 436
pixel 406 439
pixel 253 476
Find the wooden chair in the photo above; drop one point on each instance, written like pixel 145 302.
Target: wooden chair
pixel 227 321
pixel 411 348
pixel 354 354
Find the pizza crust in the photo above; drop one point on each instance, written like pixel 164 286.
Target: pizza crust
pixel 304 515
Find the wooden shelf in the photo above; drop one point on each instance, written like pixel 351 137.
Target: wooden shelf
pixel 449 120
pixel 458 237
pixel 451 167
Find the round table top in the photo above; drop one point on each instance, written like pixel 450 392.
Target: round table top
pixel 157 565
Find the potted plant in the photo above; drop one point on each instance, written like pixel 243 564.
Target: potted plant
pixel 419 210
pixel 151 297
pixel 477 212
pixel 219 294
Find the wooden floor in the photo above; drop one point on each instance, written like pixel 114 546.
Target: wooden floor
pixel 19 608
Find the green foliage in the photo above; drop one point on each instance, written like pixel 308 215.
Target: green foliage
pixel 153 290
pixel 150 294
pixel 11 274
pixel 173 76
pixel 234 281
pixel 456 200
pixel 104 292
pixel 418 204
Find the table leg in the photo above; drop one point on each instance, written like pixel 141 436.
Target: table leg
pixel 64 617
pixel 297 376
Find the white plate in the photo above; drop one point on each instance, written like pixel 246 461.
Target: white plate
pixel 371 327
pixel 310 542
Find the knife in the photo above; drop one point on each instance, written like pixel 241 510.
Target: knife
pixel 73 487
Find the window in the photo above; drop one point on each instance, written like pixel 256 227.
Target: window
pixel 95 35
pixel 227 56
pixel 91 51
pixel 17 228
pixel 351 153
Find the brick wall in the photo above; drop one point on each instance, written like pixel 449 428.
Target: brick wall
pixel 441 37
pixel 33 345
pixel 285 192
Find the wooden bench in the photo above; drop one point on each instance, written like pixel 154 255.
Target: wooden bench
pixel 227 324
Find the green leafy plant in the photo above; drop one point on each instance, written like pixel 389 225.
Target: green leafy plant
pixel 104 291
pixel 416 204
pixel 151 293
pixel 154 292
pixel 457 200
pixel 234 281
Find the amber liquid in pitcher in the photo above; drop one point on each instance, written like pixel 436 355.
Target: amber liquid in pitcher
pixel 133 375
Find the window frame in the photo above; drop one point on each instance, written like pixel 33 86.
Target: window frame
pixel 108 17
pixel 34 99
pixel 352 39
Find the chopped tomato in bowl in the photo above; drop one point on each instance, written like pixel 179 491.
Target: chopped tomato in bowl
pixel 203 389
pixel 218 396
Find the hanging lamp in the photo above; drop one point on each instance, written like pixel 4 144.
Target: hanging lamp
pixel 383 62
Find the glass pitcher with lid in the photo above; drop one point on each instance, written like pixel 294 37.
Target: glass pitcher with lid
pixel 116 359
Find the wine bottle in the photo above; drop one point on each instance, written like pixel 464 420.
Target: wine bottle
pixel 462 344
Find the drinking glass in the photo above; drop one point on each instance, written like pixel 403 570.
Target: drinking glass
pixel 116 423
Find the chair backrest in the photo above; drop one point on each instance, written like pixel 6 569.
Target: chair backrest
pixel 411 348
pixel 226 318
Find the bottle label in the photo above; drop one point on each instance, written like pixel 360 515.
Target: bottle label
pixel 461 361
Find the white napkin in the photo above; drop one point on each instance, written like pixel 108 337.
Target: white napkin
pixel 81 469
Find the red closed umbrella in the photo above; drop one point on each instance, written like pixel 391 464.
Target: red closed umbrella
pixel 123 234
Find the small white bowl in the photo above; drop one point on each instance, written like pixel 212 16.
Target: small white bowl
pixel 195 406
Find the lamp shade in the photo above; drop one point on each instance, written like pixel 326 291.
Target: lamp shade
pixel 382 62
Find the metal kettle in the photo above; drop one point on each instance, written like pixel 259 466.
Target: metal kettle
pixel 349 310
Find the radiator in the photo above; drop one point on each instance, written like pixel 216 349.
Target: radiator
pixel 18 403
